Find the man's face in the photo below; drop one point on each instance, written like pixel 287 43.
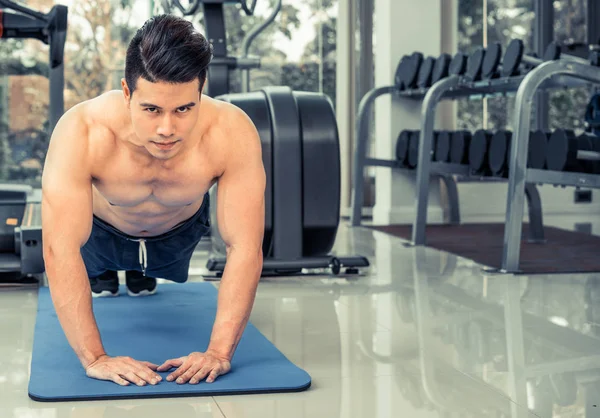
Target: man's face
pixel 163 115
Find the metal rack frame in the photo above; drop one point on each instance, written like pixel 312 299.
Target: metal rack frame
pixel 443 171
pixel 519 173
pixel 522 181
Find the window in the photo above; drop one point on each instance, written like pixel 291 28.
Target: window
pixel 297 50
pixel 514 19
pixel 97 38
pixel 567 107
pixel 504 21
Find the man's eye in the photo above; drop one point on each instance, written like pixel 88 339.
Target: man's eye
pixel 183 109
pixel 151 109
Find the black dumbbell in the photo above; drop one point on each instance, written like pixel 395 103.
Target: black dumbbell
pixel 474 65
pixel 498 153
pixel 407 72
pixel 514 57
pixel 442 147
pixel 425 73
pixel 411 139
pixel 406 69
pixel 478 153
pixel 536 154
pixel 459 147
pixel 458 65
pixel 555 51
pixel 413 148
pixel 407 148
pixel 412 160
pixel 500 147
pixel 441 68
pixel 490 67
pixel 402 146
pixel 399 71
pixel 563 149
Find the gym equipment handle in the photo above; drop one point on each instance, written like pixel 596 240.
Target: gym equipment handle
pixel 17 7
pixel 248 9
pixel 20 26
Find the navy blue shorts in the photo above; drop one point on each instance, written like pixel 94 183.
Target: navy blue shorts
pixel 165 256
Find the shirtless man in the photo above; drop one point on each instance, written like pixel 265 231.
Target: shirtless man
pixel 125 188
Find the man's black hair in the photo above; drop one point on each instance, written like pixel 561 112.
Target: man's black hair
pixel 167 48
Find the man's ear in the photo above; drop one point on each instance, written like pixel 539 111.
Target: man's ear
pixel 126 92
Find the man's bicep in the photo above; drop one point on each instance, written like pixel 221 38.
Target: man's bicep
pixel 241 196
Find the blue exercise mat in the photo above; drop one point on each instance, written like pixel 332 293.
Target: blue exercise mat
pixel 174 322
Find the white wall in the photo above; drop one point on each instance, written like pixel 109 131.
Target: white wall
pixel 486 202
pixel 402 27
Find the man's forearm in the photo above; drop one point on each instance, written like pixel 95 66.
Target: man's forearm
pixel 72 298
pixel 236 298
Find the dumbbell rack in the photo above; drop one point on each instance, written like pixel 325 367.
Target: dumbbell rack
pixel 557 74
pixel 519 173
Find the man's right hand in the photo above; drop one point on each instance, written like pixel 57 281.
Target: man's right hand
pixel 123 370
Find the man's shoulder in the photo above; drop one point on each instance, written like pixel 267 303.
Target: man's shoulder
pixel 228 119
pixel 105 111
pixel 93 114
pixel 86 126
pixel 230 132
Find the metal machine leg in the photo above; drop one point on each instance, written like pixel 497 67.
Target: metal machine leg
pixel 518 156
pixel 536 222
pixel 360 152
pixel 453 202
pixel 57 101
pixel 432 98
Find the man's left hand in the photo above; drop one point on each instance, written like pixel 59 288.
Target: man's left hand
pixel 196 367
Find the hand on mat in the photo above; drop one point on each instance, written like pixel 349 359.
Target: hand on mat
pixel 123 370
pixel 195 367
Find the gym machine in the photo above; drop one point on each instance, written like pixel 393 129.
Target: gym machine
pixel 221 63
pixel 301 156
pixel 300 144
pixel 300 153
pixel 21 253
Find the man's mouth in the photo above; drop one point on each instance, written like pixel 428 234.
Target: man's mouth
pixel 165 145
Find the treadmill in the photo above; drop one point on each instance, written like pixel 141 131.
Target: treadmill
pixel 21 251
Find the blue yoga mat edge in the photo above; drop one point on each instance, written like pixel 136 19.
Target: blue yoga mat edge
pixel 173 395
pixel 260 356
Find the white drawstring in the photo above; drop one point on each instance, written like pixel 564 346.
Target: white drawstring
pixel 143 255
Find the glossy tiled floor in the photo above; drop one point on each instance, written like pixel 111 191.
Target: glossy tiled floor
pixel 421 334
